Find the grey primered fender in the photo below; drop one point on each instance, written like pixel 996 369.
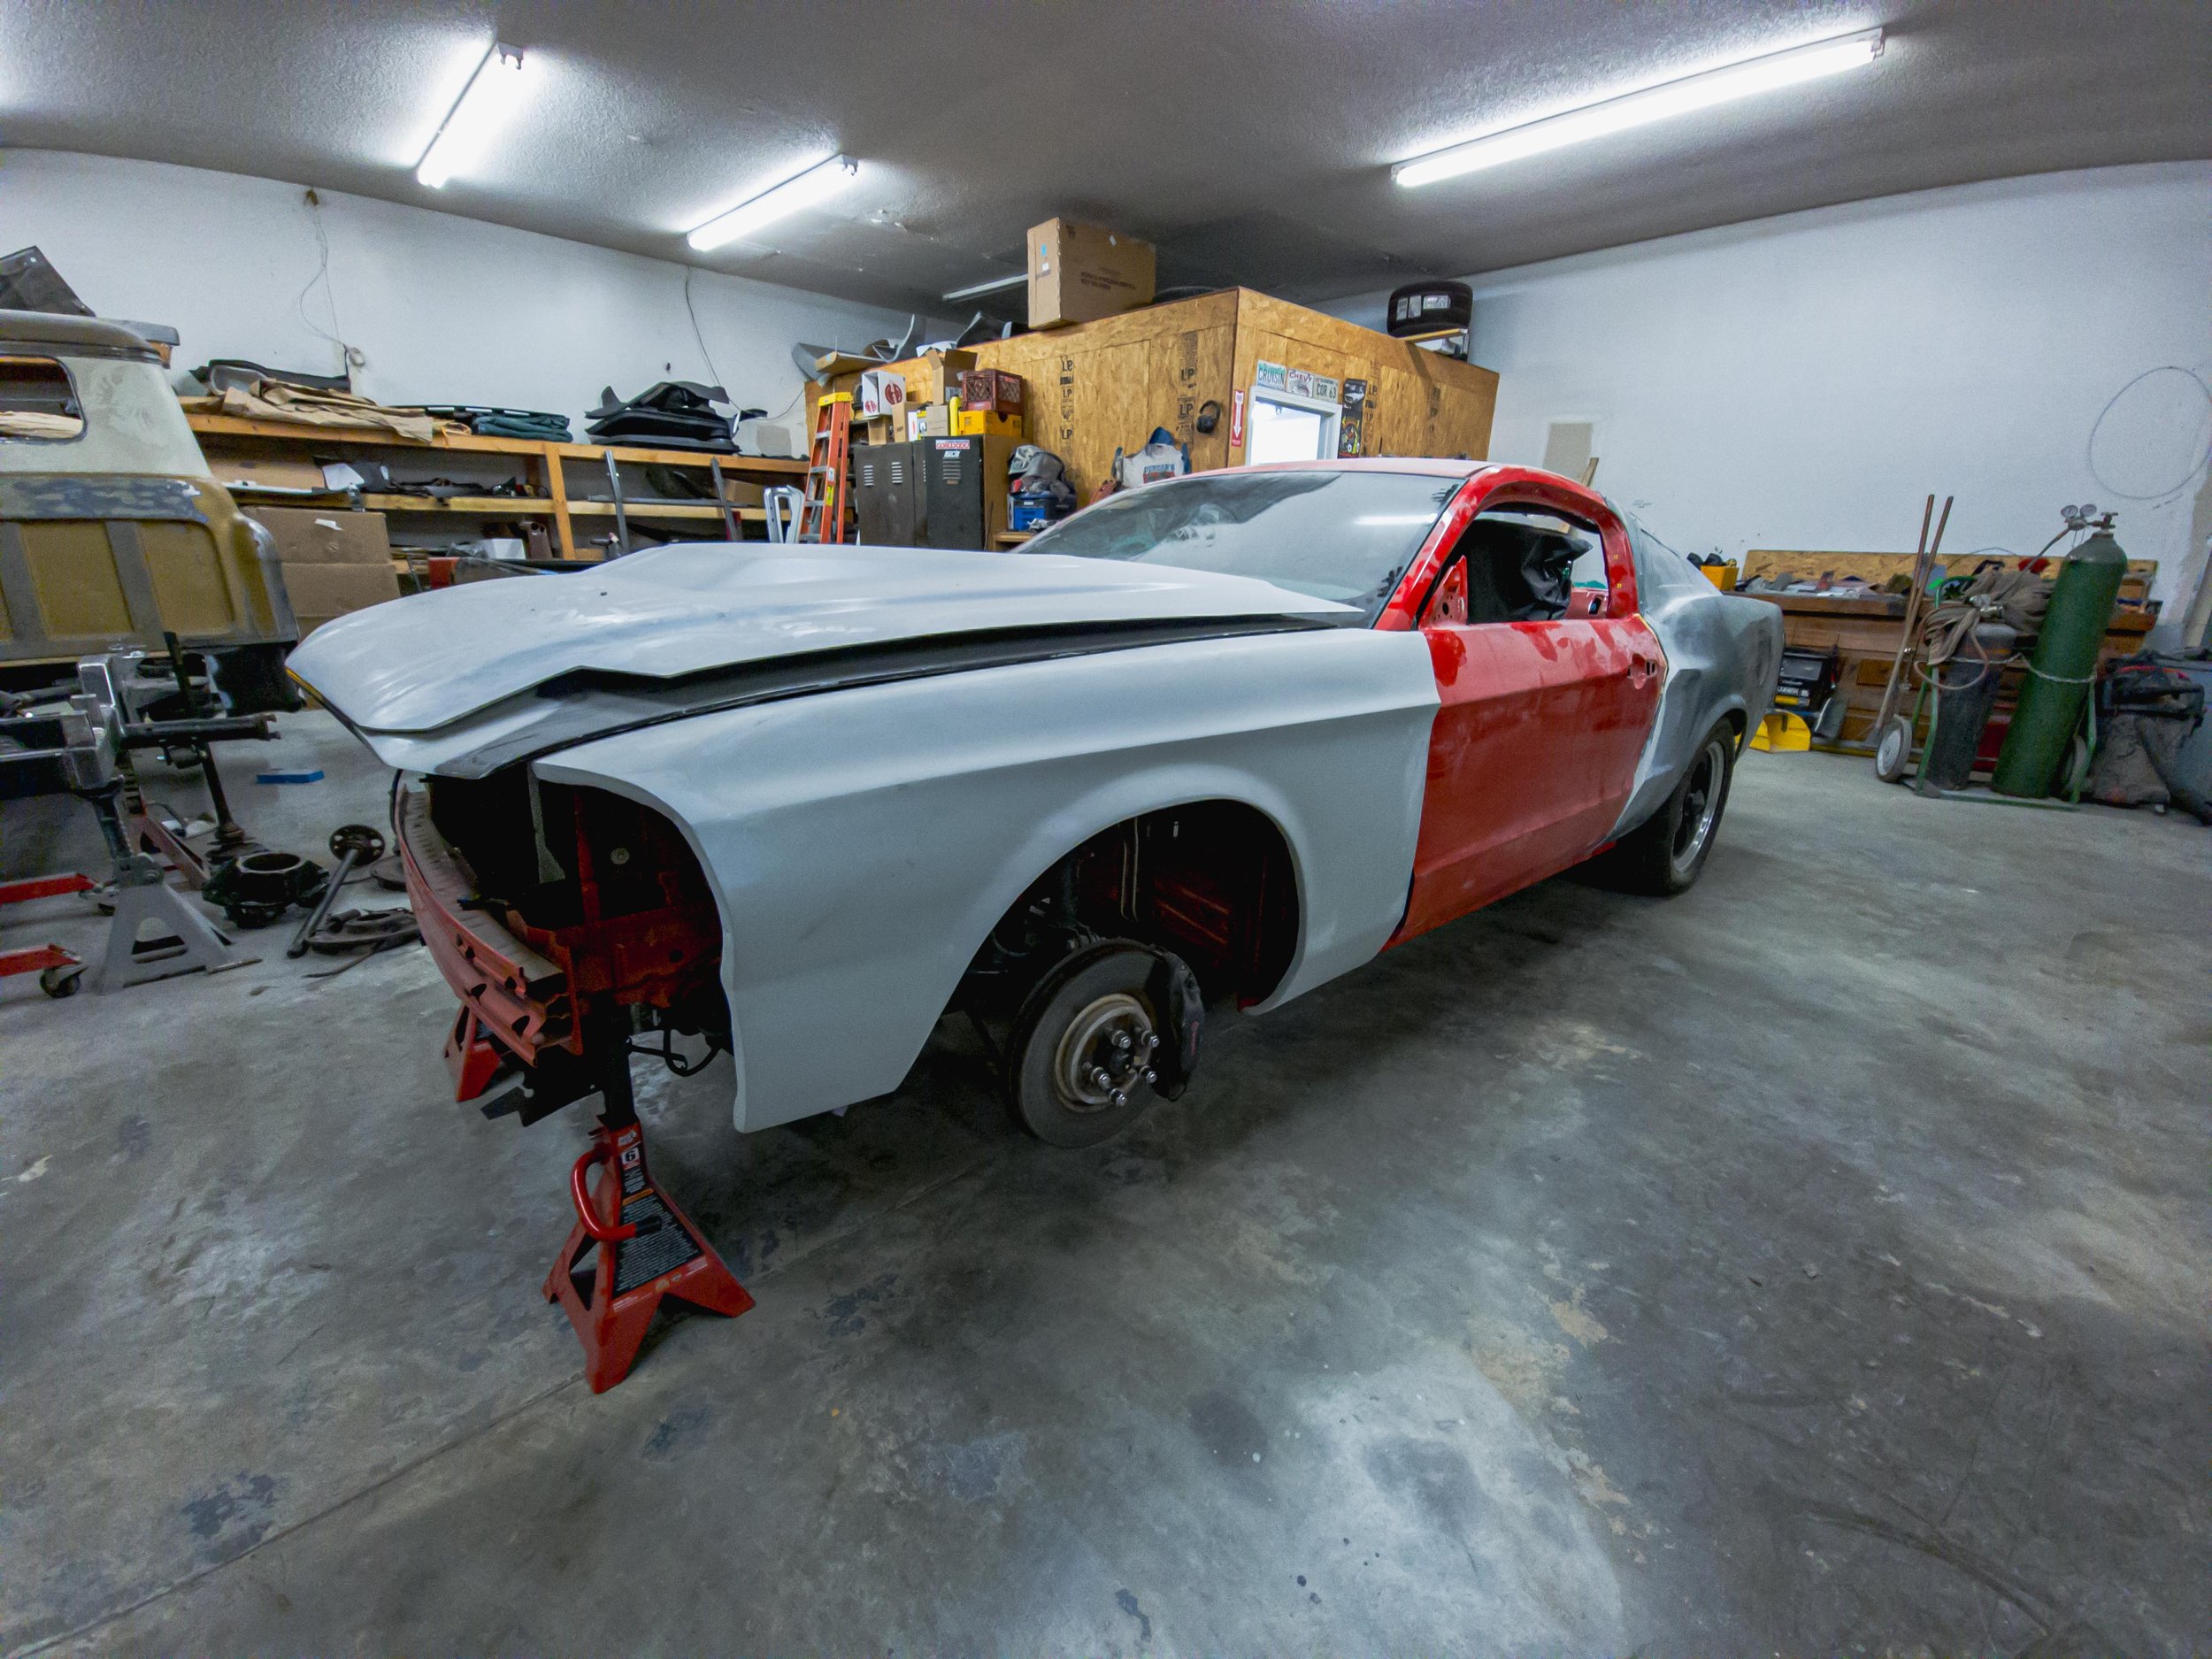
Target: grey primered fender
pixel 861 843
pixel 1722 655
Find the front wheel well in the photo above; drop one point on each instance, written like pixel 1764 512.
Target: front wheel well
pixel 1213 881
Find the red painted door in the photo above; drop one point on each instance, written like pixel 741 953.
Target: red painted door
pixel 1535 744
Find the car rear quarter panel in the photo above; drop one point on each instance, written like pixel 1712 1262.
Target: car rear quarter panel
pixel 1721 654
pixel 862 843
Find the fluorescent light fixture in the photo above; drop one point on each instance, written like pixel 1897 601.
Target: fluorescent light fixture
pixel 493 94
pixel 1743 80
pixel 996 285
pixel 816 184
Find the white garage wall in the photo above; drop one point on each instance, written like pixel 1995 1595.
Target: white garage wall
pixel 444 309
pixel 1805 381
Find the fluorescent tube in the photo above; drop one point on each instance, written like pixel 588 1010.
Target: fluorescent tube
pixel 493 95
pixel 996 285
pixel 816 184
pixel 1744 79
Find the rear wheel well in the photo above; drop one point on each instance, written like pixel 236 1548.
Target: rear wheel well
pixel 1211 881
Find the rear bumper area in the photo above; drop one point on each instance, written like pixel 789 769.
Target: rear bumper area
pixel 522 998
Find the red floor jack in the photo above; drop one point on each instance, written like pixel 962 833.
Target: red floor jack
pixel 646 1247
pixel 59 971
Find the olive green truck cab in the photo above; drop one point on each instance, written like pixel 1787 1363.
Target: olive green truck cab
pixel 112 530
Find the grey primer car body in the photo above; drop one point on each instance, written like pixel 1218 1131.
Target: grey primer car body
pixel 874 753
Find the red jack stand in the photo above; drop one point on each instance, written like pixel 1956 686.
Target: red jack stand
pixel 647 1249
pixel 476 1061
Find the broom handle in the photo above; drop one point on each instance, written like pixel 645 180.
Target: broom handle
pixel 1912 606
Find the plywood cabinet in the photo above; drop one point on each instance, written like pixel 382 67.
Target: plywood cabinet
pixel 1098 387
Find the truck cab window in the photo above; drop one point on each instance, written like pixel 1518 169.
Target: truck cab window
pixel 37 402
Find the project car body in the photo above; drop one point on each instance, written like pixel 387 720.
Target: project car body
pixel 805 800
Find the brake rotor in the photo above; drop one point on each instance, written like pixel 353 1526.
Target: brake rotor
pixel 1105 1053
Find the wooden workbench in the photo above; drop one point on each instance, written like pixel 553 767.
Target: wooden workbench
pixel 1866 633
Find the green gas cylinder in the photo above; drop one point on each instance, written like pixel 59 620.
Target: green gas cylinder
pixel 2059 672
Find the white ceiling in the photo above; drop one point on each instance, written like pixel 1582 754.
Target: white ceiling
pixel 1250 141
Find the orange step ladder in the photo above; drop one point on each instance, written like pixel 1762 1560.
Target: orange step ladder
pixel 822 515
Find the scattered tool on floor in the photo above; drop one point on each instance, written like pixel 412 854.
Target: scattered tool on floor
pixel 350 844
pixel 80 752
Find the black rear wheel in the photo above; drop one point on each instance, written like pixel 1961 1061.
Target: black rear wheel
pixel 1081 1059
pixel 1664 854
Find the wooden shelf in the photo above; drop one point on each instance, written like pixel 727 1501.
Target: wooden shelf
pixel 360 437
pixel 543 465
pixel 474 506
pixel 670 510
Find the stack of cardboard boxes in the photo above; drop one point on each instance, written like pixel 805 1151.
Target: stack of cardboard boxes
pixel 334 560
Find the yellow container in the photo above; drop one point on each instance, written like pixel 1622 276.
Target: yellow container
pixel 1722 576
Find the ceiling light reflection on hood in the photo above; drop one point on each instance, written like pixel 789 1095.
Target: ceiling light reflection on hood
pixel 816 184
pixel 493 95
pixel 1655 104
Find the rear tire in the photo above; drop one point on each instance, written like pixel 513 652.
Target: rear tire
pixel 1087 1033
pixel 1664 854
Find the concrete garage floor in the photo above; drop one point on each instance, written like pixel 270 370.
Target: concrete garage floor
pixel 1817 1262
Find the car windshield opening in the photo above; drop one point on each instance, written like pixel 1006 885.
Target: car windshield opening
pixel 1342 535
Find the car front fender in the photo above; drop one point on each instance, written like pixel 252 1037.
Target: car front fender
pixel 862 843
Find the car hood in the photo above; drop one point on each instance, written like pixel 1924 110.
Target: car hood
pixel 419 664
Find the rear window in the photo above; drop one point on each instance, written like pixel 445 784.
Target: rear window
pixel 1346 536
pixel 38 403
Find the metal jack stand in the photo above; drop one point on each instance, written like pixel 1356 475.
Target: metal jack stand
pixel 142 895
pixel 647 1249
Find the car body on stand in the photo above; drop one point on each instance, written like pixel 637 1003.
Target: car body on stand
pixel 1221 739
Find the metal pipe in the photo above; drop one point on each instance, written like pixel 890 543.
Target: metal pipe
pixel 721 499
pixel 308 928
pixel 621 519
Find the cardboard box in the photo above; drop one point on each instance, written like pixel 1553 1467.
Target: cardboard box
pixel 995 391
pixel 881 429
pixel 1080 273
pixel 267 473
pixel 933 421
pixel 935 377
pixel 310 536
pixel 880 393
pixel 333 590
pixel 982 423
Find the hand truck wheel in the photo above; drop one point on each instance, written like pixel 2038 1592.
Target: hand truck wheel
pixel 1893 750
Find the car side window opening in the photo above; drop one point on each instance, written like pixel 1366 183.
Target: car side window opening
pixel 38 403
pixel 1522 564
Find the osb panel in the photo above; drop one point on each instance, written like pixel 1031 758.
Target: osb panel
pixel 1349 340
pixel 1435 407
pixel 1096 386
